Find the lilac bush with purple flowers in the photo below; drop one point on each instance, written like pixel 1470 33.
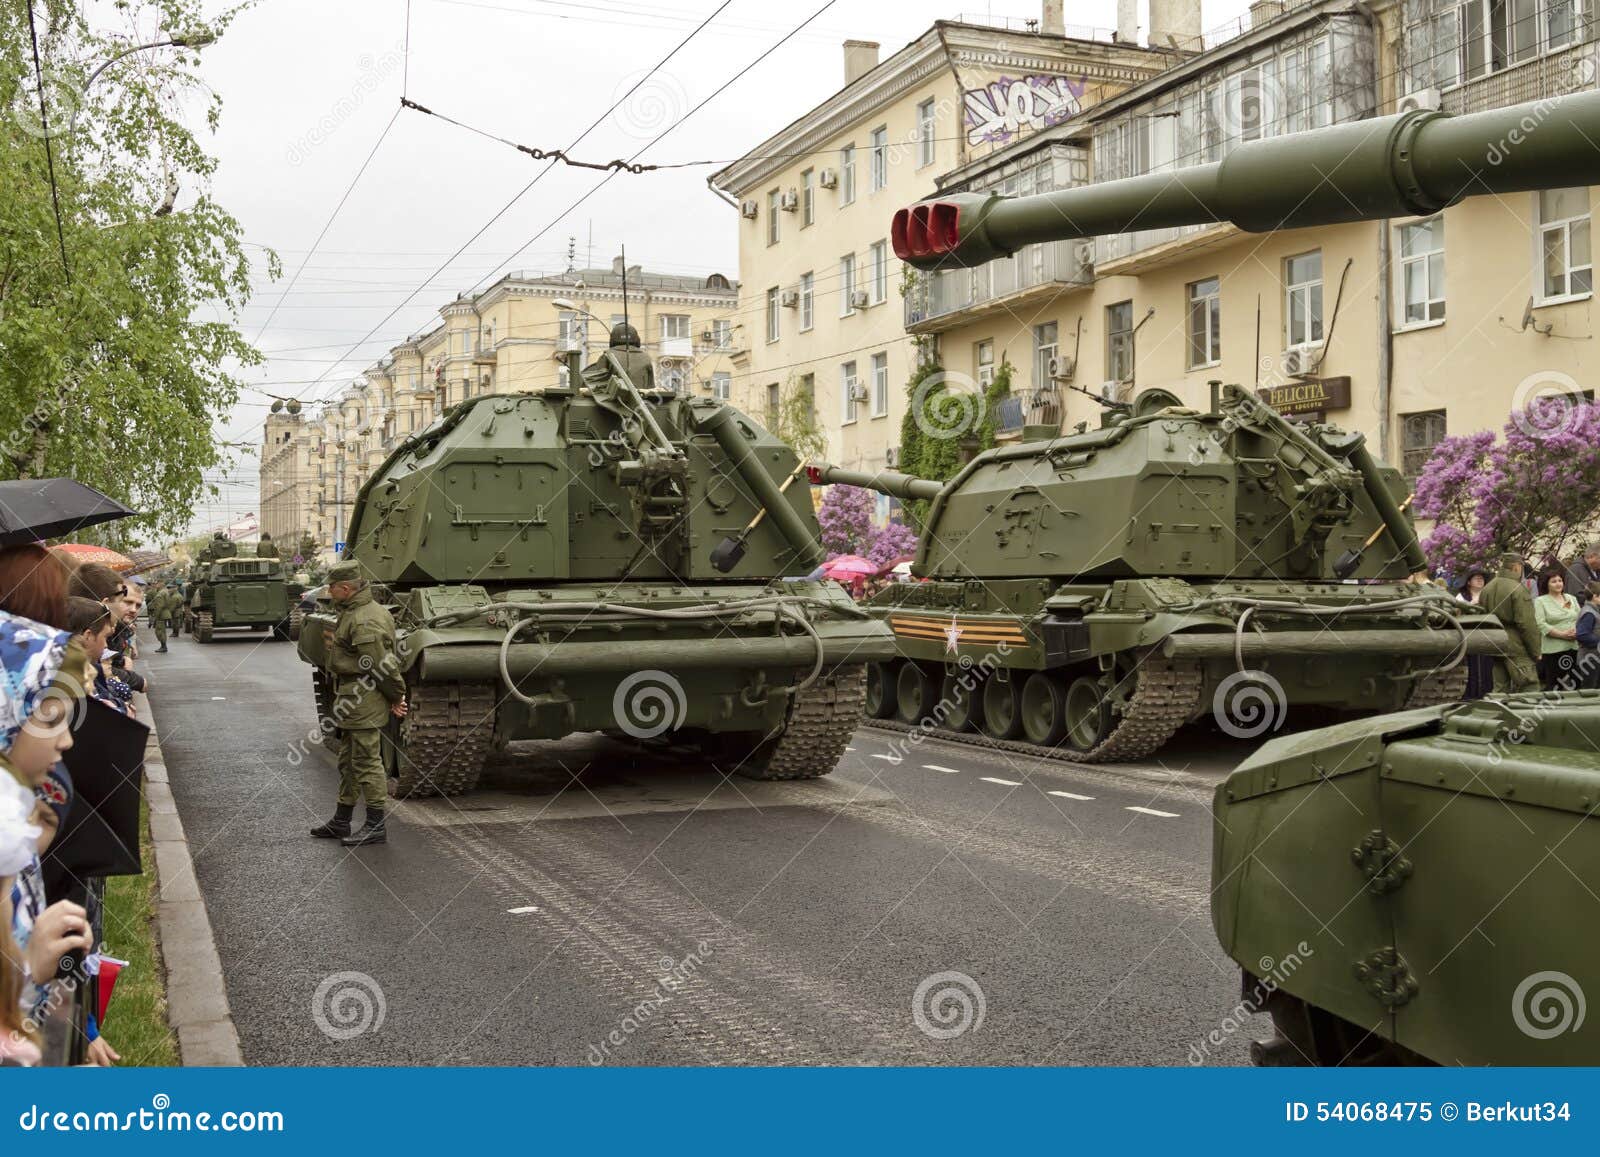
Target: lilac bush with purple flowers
pixel 1535 490
pixel 847 527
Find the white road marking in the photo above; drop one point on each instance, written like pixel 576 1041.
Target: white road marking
pixel 1150 811
pixel 886 758
pixel 521 911
pixel 1069 795
pixel 946 770
pixel 849 749
pixel 1001 782
pixel 219 699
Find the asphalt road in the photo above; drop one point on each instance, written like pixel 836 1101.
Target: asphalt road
pixel 598 905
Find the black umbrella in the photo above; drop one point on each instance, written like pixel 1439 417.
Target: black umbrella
pixel 32 509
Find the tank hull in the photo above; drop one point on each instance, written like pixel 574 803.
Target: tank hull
pixel 1358 851
pixel 239 594
pixel 1377 647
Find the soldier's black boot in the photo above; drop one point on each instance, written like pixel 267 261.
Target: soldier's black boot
pixel 339 826
pixel 372 832
pixel 161 649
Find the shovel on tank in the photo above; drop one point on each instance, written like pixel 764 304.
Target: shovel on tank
pixel 1345 565
pixel 728 553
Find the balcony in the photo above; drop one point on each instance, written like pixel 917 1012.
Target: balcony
pixel 1123 253
pixel 677 347
pixel 950 297
pixel 483 353
pixel 1540 78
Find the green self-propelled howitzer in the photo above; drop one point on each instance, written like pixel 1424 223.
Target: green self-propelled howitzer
pixel 1094 592
pixel 229 591
pixel 608 557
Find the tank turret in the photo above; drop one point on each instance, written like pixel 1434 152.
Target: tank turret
pixel 1416 163
pixel 606 556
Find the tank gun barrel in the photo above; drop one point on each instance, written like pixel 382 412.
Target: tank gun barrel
pixel 1413 164
pixel 902 486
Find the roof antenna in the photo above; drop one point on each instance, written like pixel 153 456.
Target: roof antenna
pixel 624 285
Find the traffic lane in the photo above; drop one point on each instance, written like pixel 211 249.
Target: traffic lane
pixel 294 915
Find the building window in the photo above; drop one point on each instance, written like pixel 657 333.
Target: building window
pixel 1119 342
pixel 772 217
pixel 848 385
pixel 1419 434
pixel 808 392
pixel 1044 352
pixel 808 301
pixel 1302 290
pixel 1495 34
pixel 880 385
pixel 674 325
pixel 880 158
pixel 1422 272
pixel 847 284
pixel 721 334
pixel 722 386
pixel 983 362
pixel 570 330
pixel 808 197
pixel 774 405
pixel 1247 102
pixel 1205 323
pixel 1565 268
pixel 847 174
pixel 926 128
pixel 772 314
pixel 879 256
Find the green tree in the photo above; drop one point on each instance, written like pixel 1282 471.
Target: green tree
pixel 936 421
pixel 118 357
pixel 796 420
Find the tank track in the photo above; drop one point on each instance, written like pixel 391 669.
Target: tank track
pixel 202 627
pixel 322 692
pixel 297 619
pixel 821 720
pixel 449 732
pixel 1440 687
pixel 1164 701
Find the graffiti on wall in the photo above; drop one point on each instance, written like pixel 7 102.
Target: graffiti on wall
pixel 1002 108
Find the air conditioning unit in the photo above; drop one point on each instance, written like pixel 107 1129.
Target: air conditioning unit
pixel 858 299
pixel 789 298
pixel 789 201
pixel 828 179
pixel 748 210
pixel 891 456
pixel 1299 360
pixel 707 337
pixel 1423 100
pixel 1062 368
pixel 1111 391
pixel 858 393
pixel 1084 252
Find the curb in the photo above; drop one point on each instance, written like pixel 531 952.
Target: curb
pixel 197 997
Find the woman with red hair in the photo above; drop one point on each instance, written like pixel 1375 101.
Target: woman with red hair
pixel 33 584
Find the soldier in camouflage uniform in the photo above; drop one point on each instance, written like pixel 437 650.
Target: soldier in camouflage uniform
pixel 160 608
pixel 368 690
pixel 175 608
pixel 266 548
pixel 1508 600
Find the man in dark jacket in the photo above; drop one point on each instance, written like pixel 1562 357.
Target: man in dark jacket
pixel 1585 570
pixel 1508 600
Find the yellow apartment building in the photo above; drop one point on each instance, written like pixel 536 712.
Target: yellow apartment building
pixel 511 337
pixel 1405 329
pixel 821 289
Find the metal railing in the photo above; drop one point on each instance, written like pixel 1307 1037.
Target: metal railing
pixel 948 291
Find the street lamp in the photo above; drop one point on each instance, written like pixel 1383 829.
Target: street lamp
pixel 197 39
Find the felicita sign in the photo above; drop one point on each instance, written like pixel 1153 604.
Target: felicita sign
pixel 1316 396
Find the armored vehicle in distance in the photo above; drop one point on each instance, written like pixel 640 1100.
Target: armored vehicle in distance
pixel 230 592
pixel 607 557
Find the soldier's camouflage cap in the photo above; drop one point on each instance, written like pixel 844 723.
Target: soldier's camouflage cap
pixel 348 571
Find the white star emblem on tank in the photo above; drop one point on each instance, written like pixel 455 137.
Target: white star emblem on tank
pixel 952 634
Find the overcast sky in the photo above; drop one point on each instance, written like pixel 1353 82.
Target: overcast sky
pixel 309 86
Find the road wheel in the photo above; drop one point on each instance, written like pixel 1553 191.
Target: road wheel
pixel 880 690
pixel 1044 709
pixel 444 738
pixel 1088 716
pixel 1002 707
pixel 963 693
pixel 915 693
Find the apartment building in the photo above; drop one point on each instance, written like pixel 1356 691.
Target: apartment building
pixel 821 288
pixel 511 337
